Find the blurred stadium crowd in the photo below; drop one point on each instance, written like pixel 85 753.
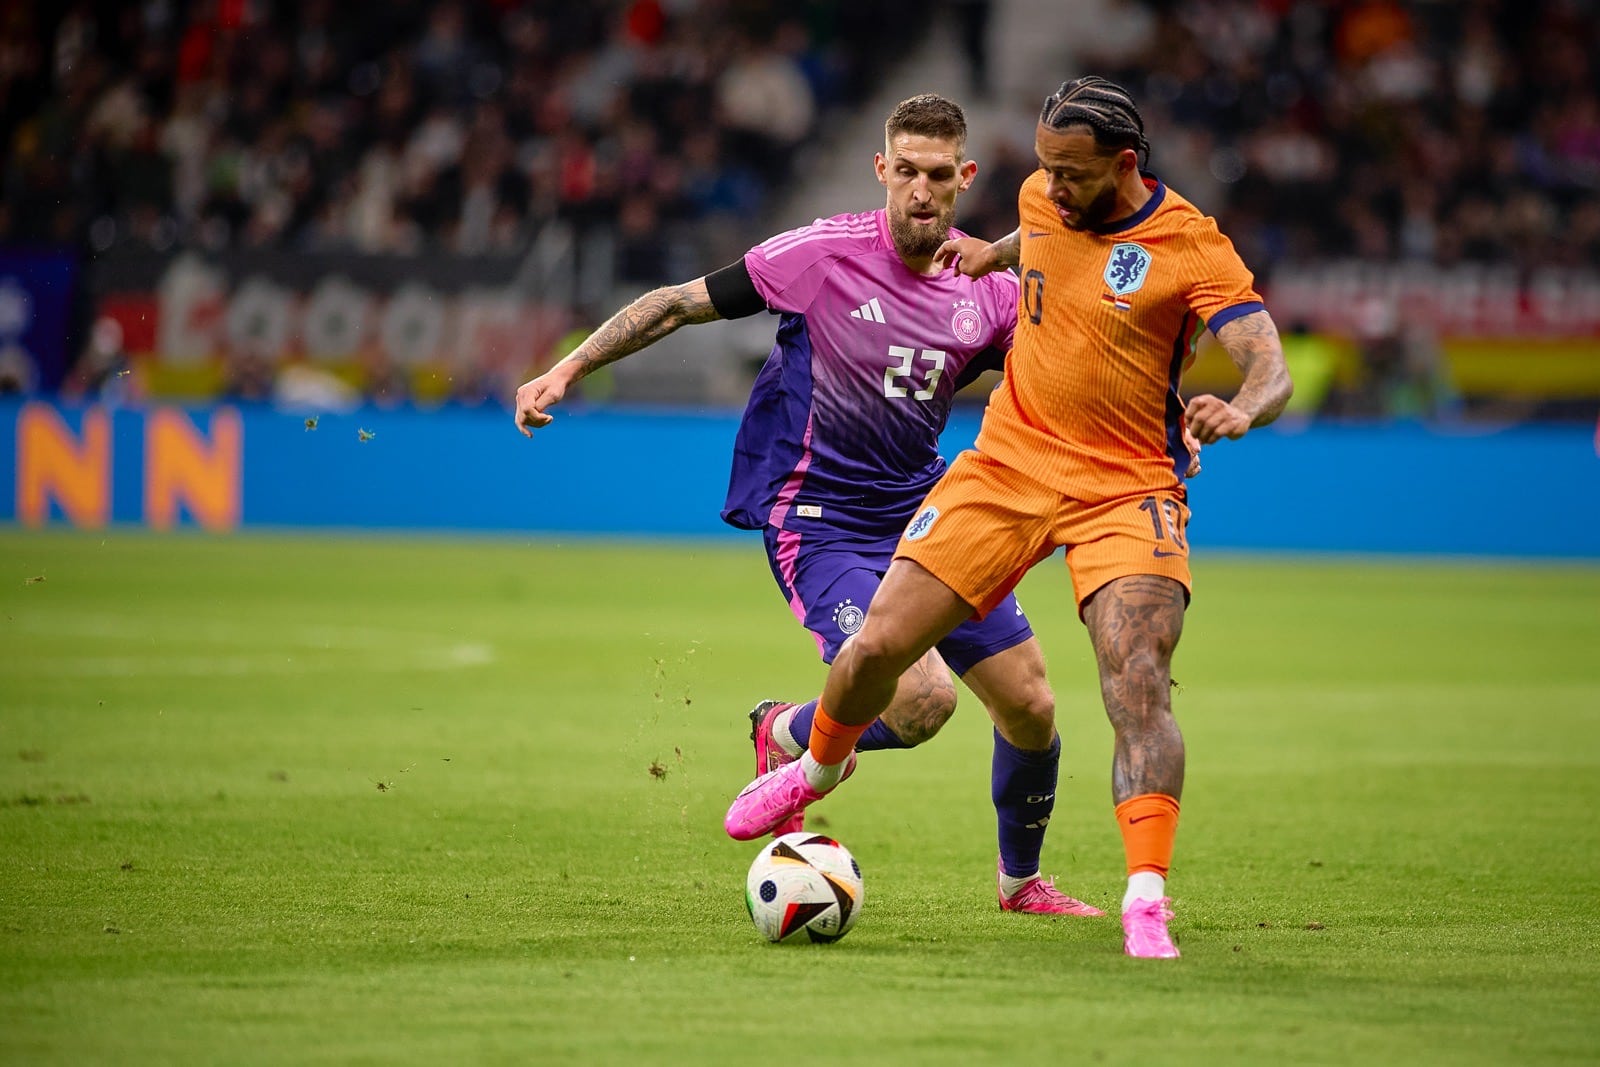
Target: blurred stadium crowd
pixel 1414 137
pixel 410 126
pixel 1417 184
pixel 1433 130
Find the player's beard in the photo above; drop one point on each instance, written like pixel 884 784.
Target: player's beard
pixel 915 241
pixel 1099 210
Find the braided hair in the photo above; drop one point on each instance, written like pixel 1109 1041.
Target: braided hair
pixel 1103 106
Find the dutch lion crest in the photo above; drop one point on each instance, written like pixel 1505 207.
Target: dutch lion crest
pixel 922 523
pixel 1127 267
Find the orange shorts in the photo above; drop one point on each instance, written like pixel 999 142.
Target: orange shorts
pixel 985 525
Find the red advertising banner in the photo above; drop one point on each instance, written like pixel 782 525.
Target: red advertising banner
pixel 1467 301
pixel 204 328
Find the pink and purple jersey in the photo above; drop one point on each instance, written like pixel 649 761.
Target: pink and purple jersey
pixel 841 431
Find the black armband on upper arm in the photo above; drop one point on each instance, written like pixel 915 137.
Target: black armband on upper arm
pixel 732 292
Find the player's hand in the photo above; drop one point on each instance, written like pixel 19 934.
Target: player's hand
pixel 534 397
pixel 971 256
pixel 1192 443
pixel 1211 418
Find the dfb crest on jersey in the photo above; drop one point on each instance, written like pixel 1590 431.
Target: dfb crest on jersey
pixel 848 617
pixel 1127 267
pixel 966 323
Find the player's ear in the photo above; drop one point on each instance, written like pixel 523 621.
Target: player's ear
pixel 968 171
pixel 1127 161
pixel 880 166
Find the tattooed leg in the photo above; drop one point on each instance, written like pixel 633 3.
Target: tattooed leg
pixel 923 701
pixel 1134 624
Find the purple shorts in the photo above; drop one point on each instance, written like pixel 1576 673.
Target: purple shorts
pixel 829 584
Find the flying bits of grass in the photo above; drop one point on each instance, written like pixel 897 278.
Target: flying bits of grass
pixel 365 435
pixel 311 423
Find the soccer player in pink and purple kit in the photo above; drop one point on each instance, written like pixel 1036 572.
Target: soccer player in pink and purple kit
pixel 839 444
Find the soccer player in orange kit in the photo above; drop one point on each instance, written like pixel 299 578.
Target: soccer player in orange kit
pixel 1081 446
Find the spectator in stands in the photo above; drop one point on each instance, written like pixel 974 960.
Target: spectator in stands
pixel 764 100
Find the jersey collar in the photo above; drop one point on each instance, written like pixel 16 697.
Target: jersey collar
pixel 1158 193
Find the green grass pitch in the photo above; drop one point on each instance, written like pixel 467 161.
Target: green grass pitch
pixel 377 800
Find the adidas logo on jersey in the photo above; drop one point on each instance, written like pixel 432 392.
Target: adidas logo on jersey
pixel 870 311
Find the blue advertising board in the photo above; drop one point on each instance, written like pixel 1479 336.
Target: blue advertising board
pixel 1390 488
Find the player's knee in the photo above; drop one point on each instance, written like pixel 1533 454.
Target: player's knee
pixel 1028 718
pixel 924 716
pixel 1038 709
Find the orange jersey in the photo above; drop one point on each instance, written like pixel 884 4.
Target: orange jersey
pixel 1106 323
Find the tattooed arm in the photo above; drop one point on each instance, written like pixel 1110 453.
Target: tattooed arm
pixel 639 325
pixel 975 257
pixel 1253 345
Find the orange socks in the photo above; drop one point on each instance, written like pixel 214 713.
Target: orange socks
pixel 1149 825
pixel 831 741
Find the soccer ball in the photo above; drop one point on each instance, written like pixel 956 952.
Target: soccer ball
pixel 804 886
